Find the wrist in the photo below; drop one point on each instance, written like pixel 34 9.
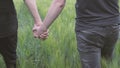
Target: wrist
pixel 38 23
pixel 44 26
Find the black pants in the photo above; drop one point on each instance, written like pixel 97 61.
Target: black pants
pixel 95 42
pixel 8 50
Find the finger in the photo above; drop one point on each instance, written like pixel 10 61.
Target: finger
pixel 45 33
pixel 43 37
pixel 35 34
pixel 34 29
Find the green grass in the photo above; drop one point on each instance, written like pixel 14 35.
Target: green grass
pixel 59 50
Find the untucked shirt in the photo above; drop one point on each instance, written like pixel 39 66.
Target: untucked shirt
pixel 97 12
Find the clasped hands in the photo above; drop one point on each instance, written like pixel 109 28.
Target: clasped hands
pixel 40 31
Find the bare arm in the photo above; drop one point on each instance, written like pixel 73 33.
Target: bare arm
pixel 53 12
pixel 31 4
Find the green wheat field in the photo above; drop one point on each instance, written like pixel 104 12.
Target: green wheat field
pixel 59 50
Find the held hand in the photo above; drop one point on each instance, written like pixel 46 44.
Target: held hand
pixel 44 35
pixel 40 31
pixel 42 28
pixel 36 26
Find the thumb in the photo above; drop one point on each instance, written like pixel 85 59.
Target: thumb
pixel 34 29
pixel 35 33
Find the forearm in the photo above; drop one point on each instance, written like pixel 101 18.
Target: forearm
pixel 31 4
pixel 53 12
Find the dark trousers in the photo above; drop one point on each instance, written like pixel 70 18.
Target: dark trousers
pixel 96 42
pixel 8 50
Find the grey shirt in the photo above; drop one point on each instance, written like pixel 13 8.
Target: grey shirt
pixel 97 12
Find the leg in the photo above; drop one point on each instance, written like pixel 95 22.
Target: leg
pixel 89 46
pixel 108 48
pixel 8 50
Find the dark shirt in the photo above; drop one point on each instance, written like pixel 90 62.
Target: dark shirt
pixel 8 18
pixel 97 12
